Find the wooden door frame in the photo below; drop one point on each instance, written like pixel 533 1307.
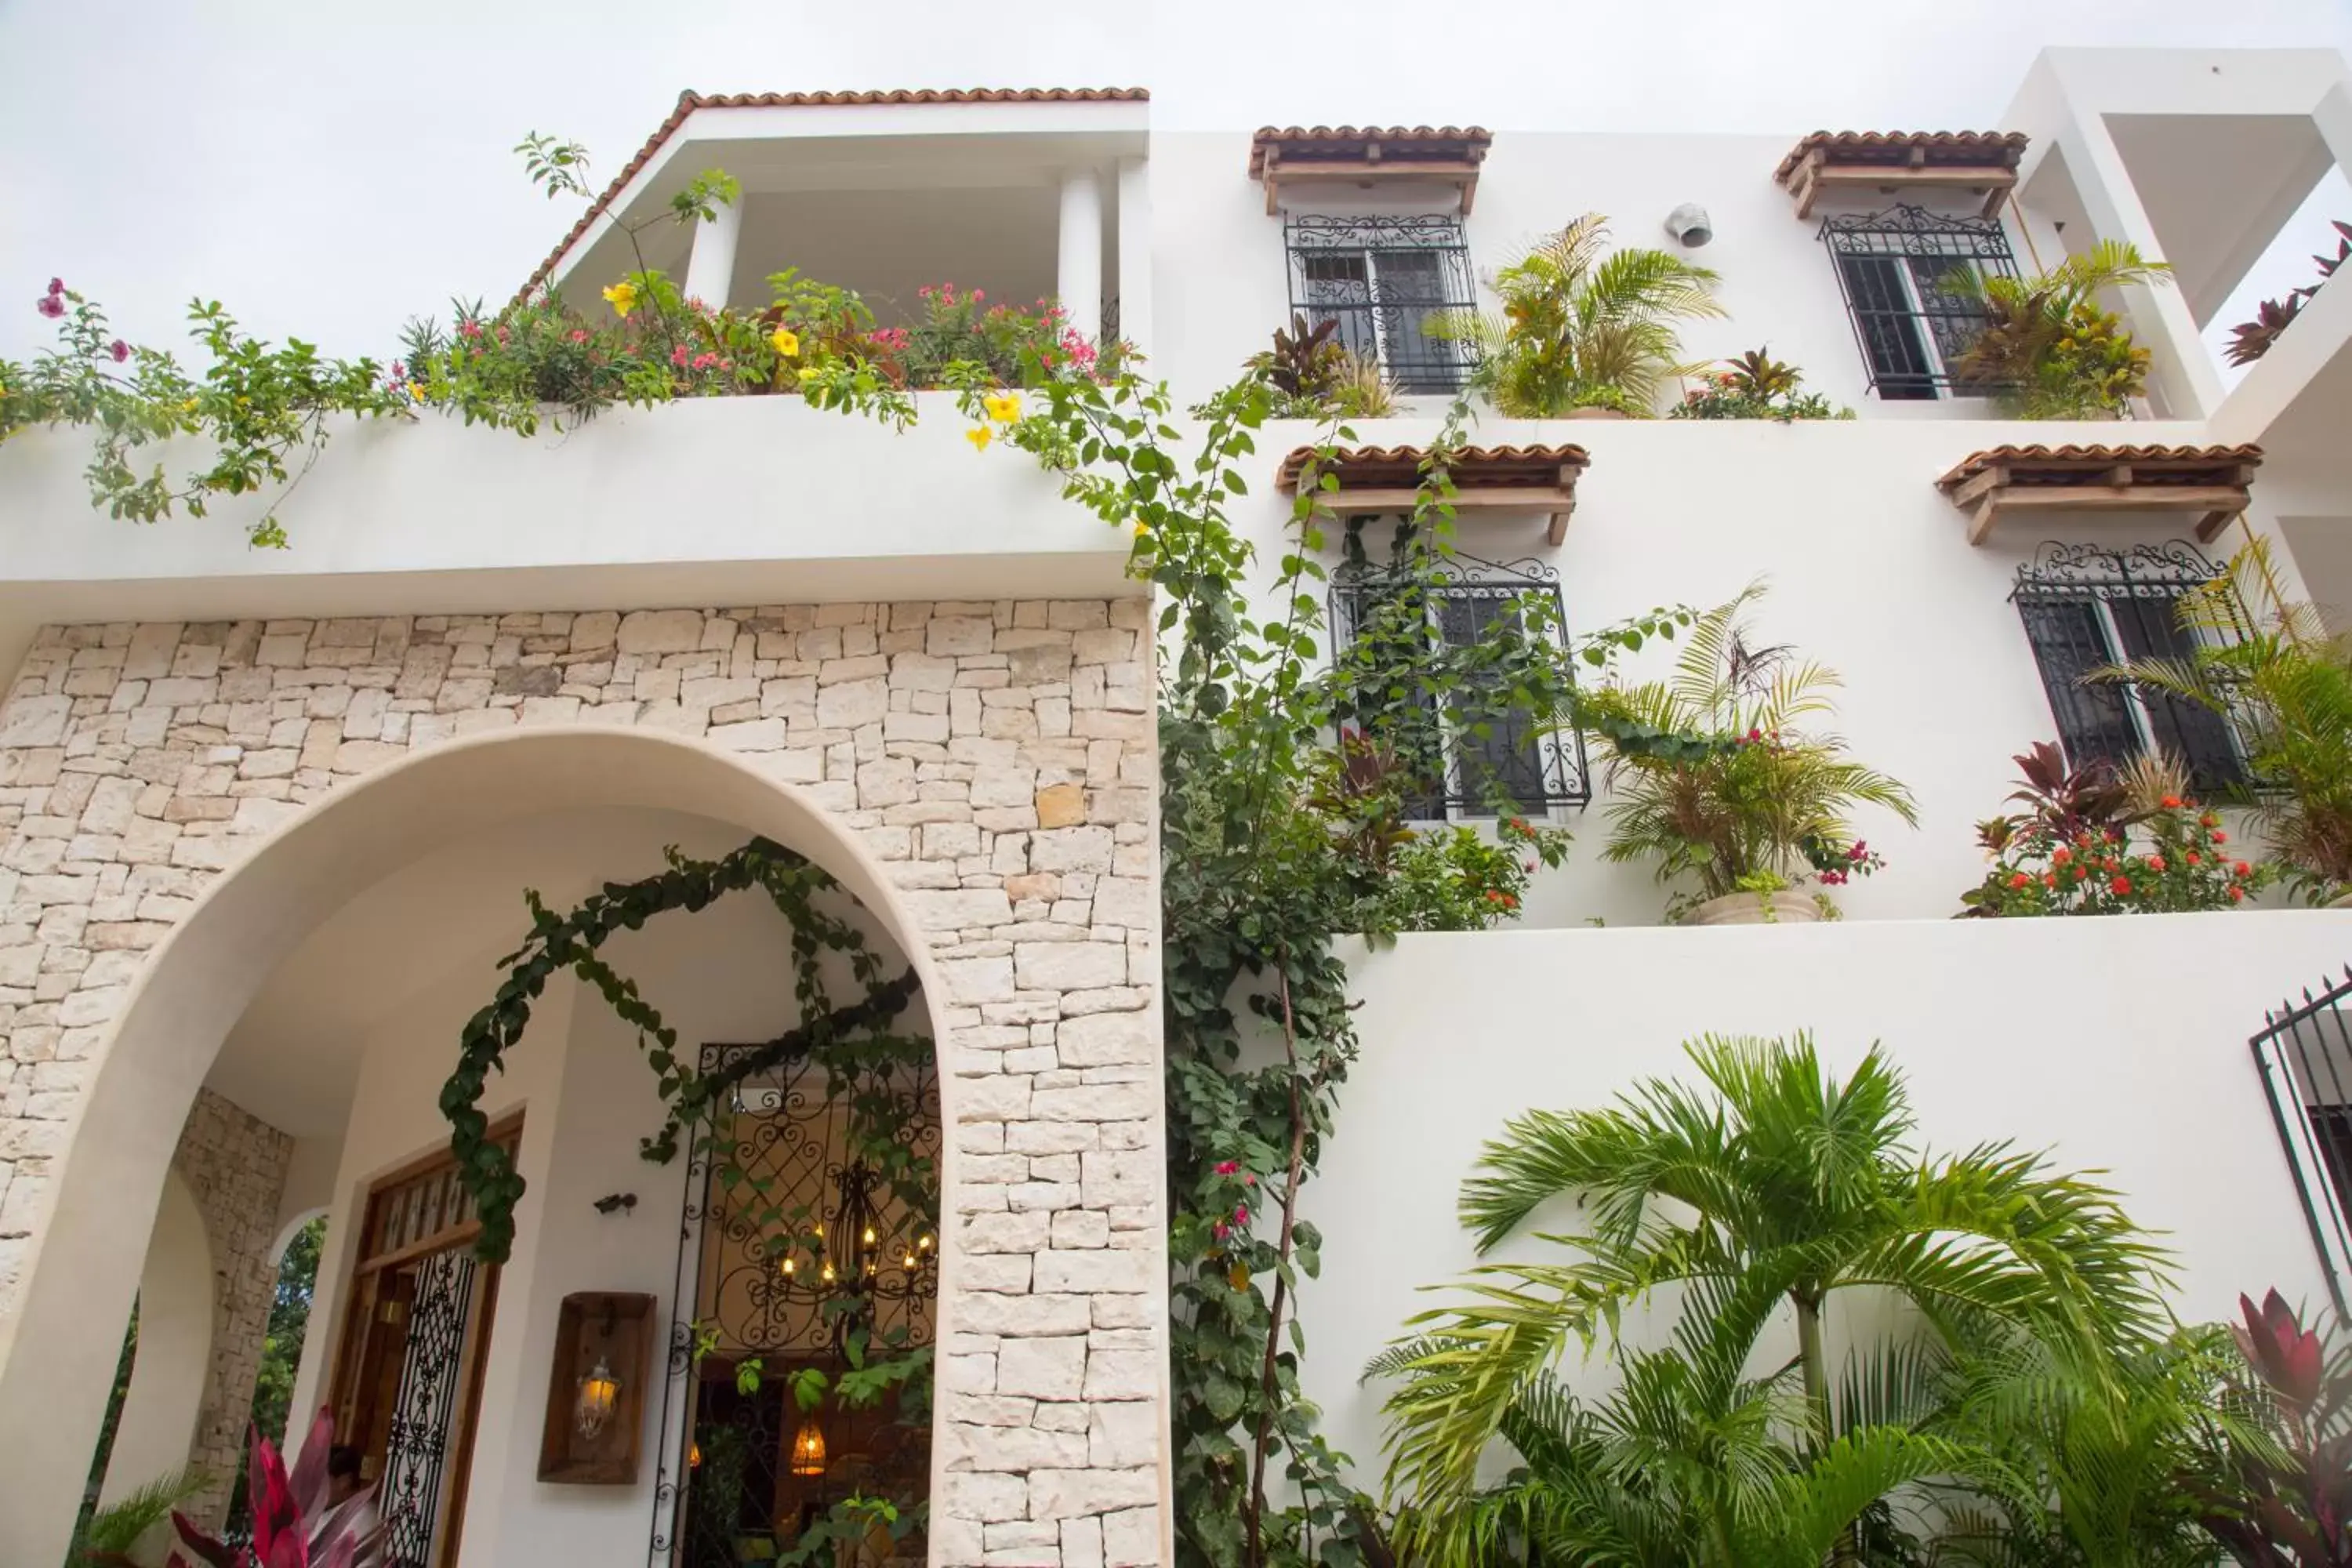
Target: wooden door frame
pixel 359 1295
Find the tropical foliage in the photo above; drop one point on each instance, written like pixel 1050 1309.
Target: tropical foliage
pixel 1755 386
pixel 2250 340
pixel 1316 377
pixel 1743 1213
pixel 2277 1490
pixel 2048 350
pixel 2267 664
pixel 2093 842
pixel 109 1537
pixel 1712 778
pixel 1582 327
pixel 296 1524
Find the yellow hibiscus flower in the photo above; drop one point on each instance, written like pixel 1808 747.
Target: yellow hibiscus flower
pixel 1003 407
pixel 415 392
pixel 979 435
pixel 622 296
pixel 787 342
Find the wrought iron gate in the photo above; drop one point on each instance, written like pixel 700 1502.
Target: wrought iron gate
pixel 432 1385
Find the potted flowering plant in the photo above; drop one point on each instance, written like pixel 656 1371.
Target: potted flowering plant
pixel 2093 841
pixel 1713 779
pixel 1755 386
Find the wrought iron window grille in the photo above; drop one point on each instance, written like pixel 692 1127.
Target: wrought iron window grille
pixel 1909 280
pixel 1386 281
pixel 2088 607
pixel 1484 757
pixel 2304 1054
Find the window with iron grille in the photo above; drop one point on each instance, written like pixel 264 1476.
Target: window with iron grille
pixel 1385 280
pixel 2085 608
pixel 2304 1053
pixel 1471 752
pixel 1909 279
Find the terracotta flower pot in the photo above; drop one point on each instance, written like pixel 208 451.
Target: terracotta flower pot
pixel 1754 909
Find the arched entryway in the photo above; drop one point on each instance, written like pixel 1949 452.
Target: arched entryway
pixel 58 1354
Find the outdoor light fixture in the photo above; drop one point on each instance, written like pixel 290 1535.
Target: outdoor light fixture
pixel 599 1391
pixel 596 1389
pixel 1690 226
pixel 808 1449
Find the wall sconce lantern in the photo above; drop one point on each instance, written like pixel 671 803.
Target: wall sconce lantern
pixel 596 1390
pixel 808 1449
pixel 599 1392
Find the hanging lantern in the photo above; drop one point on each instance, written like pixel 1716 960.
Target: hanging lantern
pixel 599 1391
pixel 808 1449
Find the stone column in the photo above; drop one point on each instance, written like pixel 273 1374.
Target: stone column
pixel 235 1165
pixel 710 271
pixel 1133 284
pixel 1079 283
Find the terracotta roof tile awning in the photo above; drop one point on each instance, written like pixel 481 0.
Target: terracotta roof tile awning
pixel 1368 154
pixel 1388 478
pixel 689 101
pixel 1981 161
pixel 2213 481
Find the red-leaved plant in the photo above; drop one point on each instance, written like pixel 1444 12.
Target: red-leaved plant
pixel 294 1524
pixel 2286 1502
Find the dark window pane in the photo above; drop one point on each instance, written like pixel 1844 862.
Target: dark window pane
pixel 1899 365
pixel 1410 287
pixel 2070 640
pixel 1955 312
pixel 2190 732
pixel 1503 766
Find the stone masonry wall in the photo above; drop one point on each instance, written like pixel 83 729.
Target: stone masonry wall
pixel 998 756
pixel 234 1164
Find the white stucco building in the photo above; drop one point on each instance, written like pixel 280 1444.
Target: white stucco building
pixel 266 816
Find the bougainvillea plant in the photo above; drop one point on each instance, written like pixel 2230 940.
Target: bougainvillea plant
pixel 1755 386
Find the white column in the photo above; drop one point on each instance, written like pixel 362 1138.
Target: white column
pixel 1079 283
pixel 1133 284
pixel 710 271
pixel 176 1349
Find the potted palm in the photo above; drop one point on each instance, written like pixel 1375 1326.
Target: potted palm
pixel 2265 663
pixel 1582 331
pixel 1712 778
pixel 2047 350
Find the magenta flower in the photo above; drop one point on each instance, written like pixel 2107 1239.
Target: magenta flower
pixel 1241 1214
pixel 1218 1230
pixel 49 305
pixel 120 349
pixel 57 286
pixel 469 329
pixel 1227 1167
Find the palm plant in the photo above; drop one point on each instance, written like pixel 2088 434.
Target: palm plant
pixel 2266 663
pixel 1758 1204
pixel 2047 350
pixel 1580 327
pixel 108 1538
pixel 1711 777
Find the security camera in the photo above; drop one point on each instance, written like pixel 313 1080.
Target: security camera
pixel 1689 226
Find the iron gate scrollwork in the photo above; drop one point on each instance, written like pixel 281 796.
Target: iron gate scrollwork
pixel 785 1236
pixel 1481 754
pixel 432 1381
pixel 1387 280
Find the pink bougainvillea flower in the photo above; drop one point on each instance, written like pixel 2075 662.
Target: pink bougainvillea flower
pixel 57 286
pixel 50 305
pixel 469 329
pixel 579 335
pixel 677 354
pixel 120 349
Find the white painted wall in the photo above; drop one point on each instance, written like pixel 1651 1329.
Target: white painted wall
pixel 587 1098
pixel 2117 1044
pixel 1869 573
pixel 174 1354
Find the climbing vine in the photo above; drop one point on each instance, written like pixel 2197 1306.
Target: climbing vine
pixel 866 1069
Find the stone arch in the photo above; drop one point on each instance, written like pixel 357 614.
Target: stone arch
pixel 168 1370
pixel 57 1350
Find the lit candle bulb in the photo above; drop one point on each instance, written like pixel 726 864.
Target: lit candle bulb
pixel 868 1238
pixel 788 1266
pixel 828 1273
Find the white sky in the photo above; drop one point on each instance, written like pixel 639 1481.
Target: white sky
pixel 328 168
